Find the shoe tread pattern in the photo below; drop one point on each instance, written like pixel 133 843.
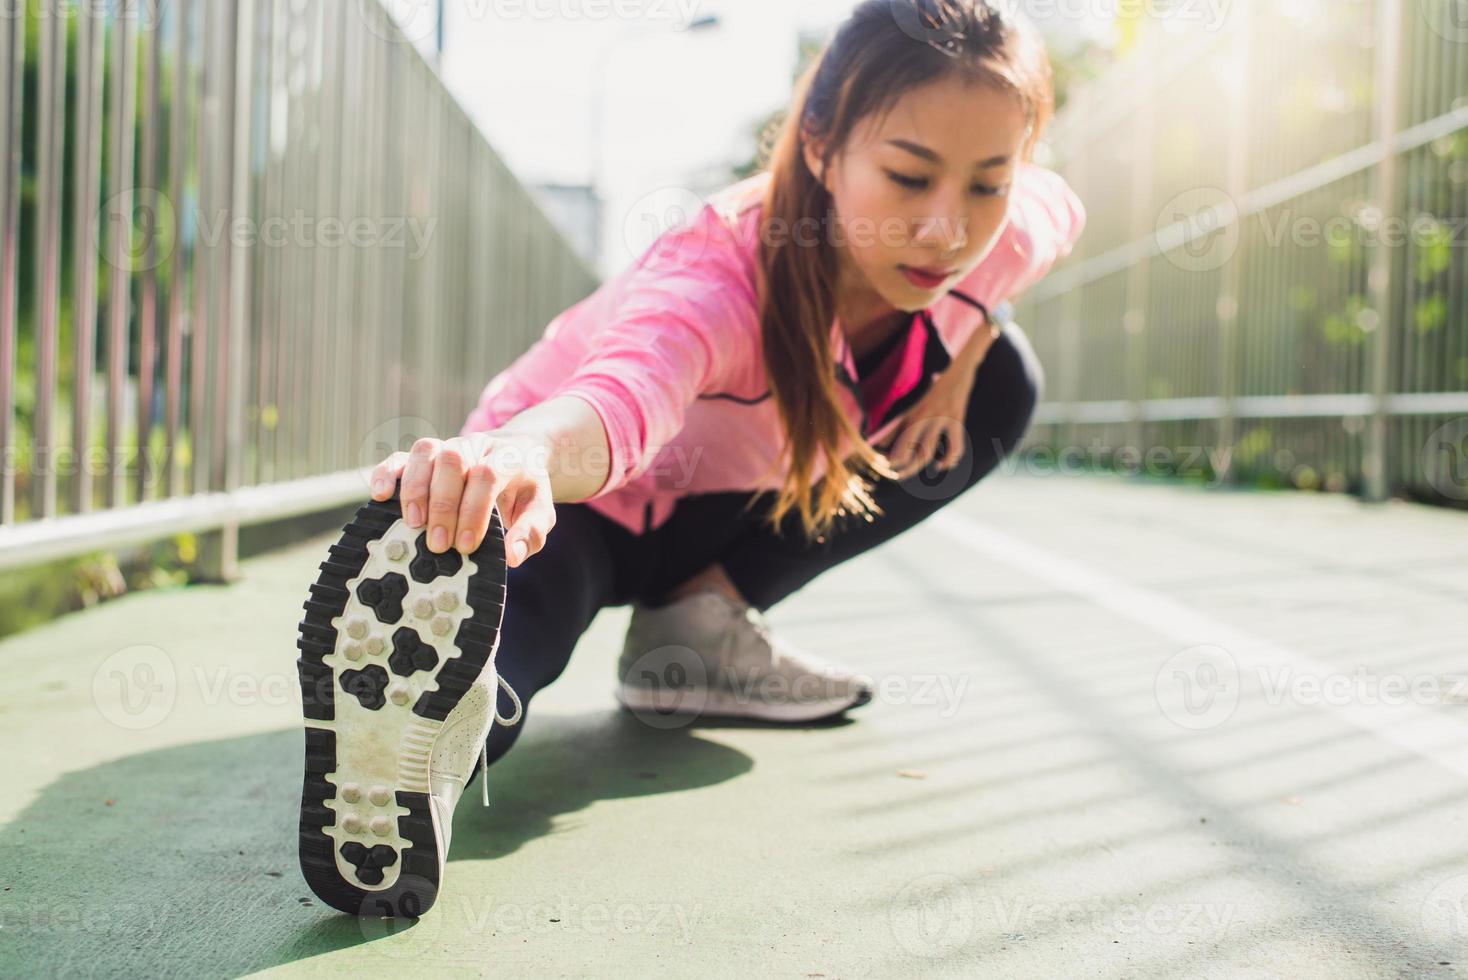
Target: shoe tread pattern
pixel 419 874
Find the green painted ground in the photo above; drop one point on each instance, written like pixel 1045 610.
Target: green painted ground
pixel 1054 780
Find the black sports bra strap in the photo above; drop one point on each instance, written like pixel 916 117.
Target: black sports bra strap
pixel 965 297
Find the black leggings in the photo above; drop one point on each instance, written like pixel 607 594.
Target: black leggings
pixel 590 561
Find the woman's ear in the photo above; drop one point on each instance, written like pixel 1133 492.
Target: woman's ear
pixel 811 149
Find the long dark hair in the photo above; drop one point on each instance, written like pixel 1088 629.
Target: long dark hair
pixel 884 49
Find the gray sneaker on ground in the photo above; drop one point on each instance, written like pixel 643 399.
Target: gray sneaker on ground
pixel 709 654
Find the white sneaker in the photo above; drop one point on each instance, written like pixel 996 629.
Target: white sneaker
pixel 398 687
pixel 709 654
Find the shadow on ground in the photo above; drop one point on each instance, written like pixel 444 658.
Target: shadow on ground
pixel 187 855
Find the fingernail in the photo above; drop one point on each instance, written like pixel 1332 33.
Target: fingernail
pixel 379 485
pixel 520 549
pixel 438 538
pixel 415 514
pixel 466 542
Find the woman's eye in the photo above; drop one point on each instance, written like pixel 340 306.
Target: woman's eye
pixel 918 183
pixel 912 183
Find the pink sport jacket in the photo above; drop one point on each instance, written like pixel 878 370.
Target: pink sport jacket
pixel 668 351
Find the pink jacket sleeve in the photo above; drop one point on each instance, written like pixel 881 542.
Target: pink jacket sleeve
pixel 1045 220
pixel 676 320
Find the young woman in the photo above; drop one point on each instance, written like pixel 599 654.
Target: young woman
pixel 804 370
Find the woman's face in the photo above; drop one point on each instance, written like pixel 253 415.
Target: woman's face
pixel 926 187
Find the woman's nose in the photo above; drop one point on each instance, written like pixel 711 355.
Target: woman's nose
pixel 946 232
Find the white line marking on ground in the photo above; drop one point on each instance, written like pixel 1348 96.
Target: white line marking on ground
pixel 1427 732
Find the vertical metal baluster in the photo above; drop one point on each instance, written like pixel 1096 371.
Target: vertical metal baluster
pixel 395 330
pixel 354 304
pixel 149 212
pixel 382 82
pixel 123 116
pixel 180 110
pixel 474 321
pixel 212 227
pixel 1241 28
pixel 319 90
pixel 239 284
pixel 389 186
pixel 1072 354
pixel 303 245
pixel 344 387
pixel 1388 196
pixel 255 463
pixel 364 301
pixel 429 267
pixel 86 240
pixel 499 271
pixel 275 361
pixel 12 75
pixel 457 250
pixel 221 259
pixel 299 251
pixel 287 256
pixel 50 134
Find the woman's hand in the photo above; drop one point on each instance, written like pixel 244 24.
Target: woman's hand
pixel 938 417
pixel 451 485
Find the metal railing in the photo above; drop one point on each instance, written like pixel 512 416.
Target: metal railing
pixel 1276 257
pixel 247 248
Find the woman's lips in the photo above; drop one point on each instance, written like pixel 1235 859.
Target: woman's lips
pixel 925 279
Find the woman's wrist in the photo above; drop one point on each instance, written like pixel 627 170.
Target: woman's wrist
pixel 972 353
pixel 562 437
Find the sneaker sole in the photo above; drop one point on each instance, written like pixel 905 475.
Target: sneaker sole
pixel 393 637
pixel 720 704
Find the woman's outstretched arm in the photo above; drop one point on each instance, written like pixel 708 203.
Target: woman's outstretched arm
pixel 554 451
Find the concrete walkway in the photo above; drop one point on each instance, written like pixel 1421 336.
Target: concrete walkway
pixel 1122 730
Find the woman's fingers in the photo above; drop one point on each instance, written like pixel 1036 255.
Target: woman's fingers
pixel 902 449
pixel 952 444
pixel 385 475
pixel 475 505
pixel 416 477
pixel 923 437
pixel 445 489
pixel 529 515
pixel 921 441
pixel 451 487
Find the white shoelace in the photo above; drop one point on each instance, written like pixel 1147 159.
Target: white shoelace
pixel 784 652
pixel 484 746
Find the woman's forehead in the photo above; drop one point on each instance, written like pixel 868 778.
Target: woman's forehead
pixel 956 124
